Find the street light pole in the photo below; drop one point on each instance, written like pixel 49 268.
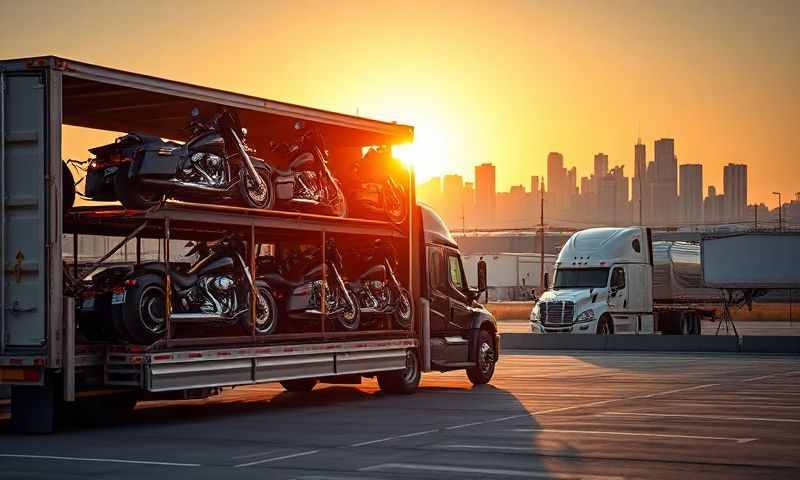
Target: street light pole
pixel 780 211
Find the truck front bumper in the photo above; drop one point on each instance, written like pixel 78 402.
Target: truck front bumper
pixel 586 328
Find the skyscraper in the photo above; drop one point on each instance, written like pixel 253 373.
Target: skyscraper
pixel 485 194
pixel 691 196
pixel 735 186
pixel 639 179
pixel 665 186
pixel 600 165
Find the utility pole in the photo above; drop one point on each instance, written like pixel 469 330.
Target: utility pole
pixel 541 246
pixel 755 209
pixel 780 211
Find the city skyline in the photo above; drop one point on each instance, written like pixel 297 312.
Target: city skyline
pixel 674 194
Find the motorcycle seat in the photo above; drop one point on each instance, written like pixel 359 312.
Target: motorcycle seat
pixel 183 281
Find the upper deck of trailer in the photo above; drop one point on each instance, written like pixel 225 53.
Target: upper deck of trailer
pixel 110 99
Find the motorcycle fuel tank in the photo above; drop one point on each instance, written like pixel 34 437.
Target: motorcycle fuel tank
pixel 211 142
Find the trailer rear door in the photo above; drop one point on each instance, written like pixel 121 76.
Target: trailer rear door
pixel 23 173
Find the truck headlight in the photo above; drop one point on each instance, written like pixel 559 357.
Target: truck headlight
pixel 585 316
pixel 535 314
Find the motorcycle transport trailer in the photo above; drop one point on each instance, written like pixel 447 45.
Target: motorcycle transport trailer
pixel 39 355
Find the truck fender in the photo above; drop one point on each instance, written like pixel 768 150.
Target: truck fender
pixel 482 321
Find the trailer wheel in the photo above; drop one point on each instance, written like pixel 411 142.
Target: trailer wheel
pixel 403 382
pixel 299 385
pixel 486 358
pixel 698 324
pixel 144 308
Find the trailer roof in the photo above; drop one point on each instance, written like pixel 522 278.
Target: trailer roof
pixel 110 99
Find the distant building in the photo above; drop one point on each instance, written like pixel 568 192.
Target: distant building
pixel 485 194
pixel 612 197
pixel 691 196
pixel 665 184
pixel 735 184
pixel 600 165
pixel 639 179
pixel 712 206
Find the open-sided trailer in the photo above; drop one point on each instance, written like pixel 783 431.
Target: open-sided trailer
pixel 38 352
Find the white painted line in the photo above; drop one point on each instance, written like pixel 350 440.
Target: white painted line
pixel 259 454
pixel 102 460
pixel 275 459
pixel 636 434
pixel 763 377
pixel 486 471
pixel 706 417
pixel 677 390
pixel 381 440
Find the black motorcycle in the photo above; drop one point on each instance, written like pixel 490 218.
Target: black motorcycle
pixel 307 184
pixel 217 288
pixel 298 280
pixel 377 288
pixel 376 195
pixel 214 165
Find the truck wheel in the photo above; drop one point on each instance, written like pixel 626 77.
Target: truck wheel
pixel 299 385
pixel 486 359
pixel 698 324
pixel 605 326
pixel 402 382
pixel 144 309
pixel 129 193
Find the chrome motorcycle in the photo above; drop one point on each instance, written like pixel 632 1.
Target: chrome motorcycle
pixel 377 288
pixel 214 164
pixel 298 280
pixel 307 185
pixel 376 194
pixel 217 288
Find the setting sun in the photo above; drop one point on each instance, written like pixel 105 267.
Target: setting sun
pixel 427 155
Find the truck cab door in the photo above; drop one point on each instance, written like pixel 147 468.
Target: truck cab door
pixel 460 312
pixel 437 280
pixel 618 288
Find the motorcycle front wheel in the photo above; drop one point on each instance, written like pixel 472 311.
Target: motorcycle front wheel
pixel 393 204
pixel 338 204
pixel 404 310
pixel 266 312
pixel 255 196
pixel 350 315
pixel 68 187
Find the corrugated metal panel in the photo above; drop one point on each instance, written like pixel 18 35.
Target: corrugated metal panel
pixel 23 160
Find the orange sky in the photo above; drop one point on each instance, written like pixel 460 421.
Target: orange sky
pixel 504 82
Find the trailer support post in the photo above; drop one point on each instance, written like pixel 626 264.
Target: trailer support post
pixel 254 292
pixel 323 299
pixel 68 364
pixel 113 251
pixel 167 286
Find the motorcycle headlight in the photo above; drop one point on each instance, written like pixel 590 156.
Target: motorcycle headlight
pixel 585 316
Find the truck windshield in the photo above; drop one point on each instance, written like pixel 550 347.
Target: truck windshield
pixel 581 278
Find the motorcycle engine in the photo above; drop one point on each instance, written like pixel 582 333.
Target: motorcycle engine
pixel 307 185
pixel 205 169
pixel 221 295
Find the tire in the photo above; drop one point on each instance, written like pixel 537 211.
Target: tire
pixel 68 187
pixel 144 302
pixel 402 382
pixel 605 326
pixel 264 325
pixel 698 325
pixel 486 357
pixel 396 215
pixel 404 316
pixel 350 320
pixel 299 385
pixel 129 193
pixel 253 198
pixel 340 208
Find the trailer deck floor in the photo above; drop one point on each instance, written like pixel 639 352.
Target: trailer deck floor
pixel 557 415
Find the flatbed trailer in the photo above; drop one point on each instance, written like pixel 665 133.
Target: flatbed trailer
pixel 49 367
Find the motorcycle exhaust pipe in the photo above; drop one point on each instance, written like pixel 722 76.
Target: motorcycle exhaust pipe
pixel 197 317
pixel 181 184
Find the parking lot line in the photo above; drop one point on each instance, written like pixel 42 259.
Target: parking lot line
pixel 275 459
pixel 636 434
pixel 251 455
pixel 677 390
pixel 386 439
pixel 101 460
pixel 704 417
pixel 486 471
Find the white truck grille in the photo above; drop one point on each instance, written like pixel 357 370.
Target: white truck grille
pixel 557 313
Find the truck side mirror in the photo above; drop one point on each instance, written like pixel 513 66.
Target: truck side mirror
pixel 481 276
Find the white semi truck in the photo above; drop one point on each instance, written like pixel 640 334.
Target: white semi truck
pixel 618 281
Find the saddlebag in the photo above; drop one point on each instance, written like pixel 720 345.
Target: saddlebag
pixel 157 162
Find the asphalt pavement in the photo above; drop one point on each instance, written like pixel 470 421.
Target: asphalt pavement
pixel 760 327
pixel 550 415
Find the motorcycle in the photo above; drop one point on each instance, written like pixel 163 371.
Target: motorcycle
pixel 377 195
pixel 307 184
pixel 215 164
pixel 378 290
pixel 217 288
pixel 298 280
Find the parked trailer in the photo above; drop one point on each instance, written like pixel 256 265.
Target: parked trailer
pixel 618 281
pixel 39 354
